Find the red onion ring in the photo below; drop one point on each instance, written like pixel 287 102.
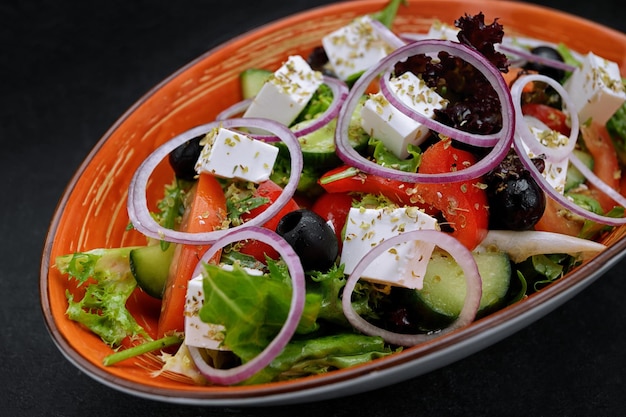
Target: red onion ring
pixel 525 137
pixel 528 56
pixel 137 205
pixel 473 57
pixel 557 196
pixel 413 37
pixel 448 243
pixel 522 127
pixel 337 87
pixel 296 307
pixel 501 141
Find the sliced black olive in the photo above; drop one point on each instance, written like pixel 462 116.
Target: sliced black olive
pixel 313 240
pixel 516 201
pixel 183 158
pixel 549 71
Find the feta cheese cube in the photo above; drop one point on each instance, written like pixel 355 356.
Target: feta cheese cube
pixel 555 172
pixel 354 48
pixel 230 154
pixel 283 96
pixel 197 332
pixel 405 265
pixel 596 89
pixel 383 121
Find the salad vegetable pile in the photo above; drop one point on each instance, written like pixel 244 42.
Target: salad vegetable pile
pixel 380 192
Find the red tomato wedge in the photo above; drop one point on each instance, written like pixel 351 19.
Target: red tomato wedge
pixel 463 204
pixel 344 180
pixel 598 142
pixel 207 212
pixel 334 207
pixel 556 219
pixel 271 191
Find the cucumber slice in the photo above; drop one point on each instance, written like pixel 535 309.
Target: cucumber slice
pixel 252 80
pixel 150 266
pixel 574 177
pixel 442 297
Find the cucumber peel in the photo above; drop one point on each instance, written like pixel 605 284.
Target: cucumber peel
pixel 150 266
pixel 443 294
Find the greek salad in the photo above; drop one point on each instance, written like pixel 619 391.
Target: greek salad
pixel 379 192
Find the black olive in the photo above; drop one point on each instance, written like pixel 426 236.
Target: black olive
pixel 516 201
pixel 311 238
pixel 183 159
pixel 317 59
pixel 549 71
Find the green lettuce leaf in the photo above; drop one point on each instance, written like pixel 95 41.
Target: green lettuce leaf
pixel 253 309
pixel 386 158
pixel 320 355
pixel 329 286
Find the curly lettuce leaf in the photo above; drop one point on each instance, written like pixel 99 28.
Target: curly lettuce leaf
pixel 329 286
pixel 108 282
pixel 321 100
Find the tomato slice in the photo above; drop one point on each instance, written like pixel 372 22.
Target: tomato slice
pixel 556 219
pixel 271 191
pixel 463 204
pixel 334 207
pixel 206 213
pixel 606 167
pixel 346 179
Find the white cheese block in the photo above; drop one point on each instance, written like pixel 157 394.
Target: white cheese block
pixel 596 89
pixel 285 94
pixel 197 332
pixel 354 48
pixel 381 120
pixel 403 266
pixel 230 154
pixel 555 172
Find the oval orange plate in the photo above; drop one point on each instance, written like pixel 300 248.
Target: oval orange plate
pixel 92 211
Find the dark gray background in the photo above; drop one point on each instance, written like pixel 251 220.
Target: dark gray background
pixel 68 69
